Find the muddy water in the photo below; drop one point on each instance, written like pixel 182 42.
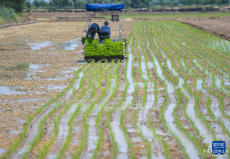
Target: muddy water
pixel 37 46
pixel 190 148
pixel 93 135
pixel 63 124
pixel 21 67
pixel 7 90
pixel 216 110
pixel 142 117
pixel 70 45
pixel 217 78
pixel 32 133
pixel 190 109
pixel 115 124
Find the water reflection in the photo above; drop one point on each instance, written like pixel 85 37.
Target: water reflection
pixel 70 45
pixel 19 67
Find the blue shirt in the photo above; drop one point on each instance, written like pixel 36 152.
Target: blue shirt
pixel 97 28
pixel 106 28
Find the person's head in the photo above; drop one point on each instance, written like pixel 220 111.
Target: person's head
pixel 106 23
pixel 92 29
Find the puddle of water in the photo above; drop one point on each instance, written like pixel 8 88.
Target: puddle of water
pixel 191 111
pixel 190 148
pixel 2 151
pixel 81 61
pixel 71 45
pixel 14 132
pixel 215 108
pixel 115 124
pixel 37 46
pixel 182 62
pixel 199 84
pixel 21 66
pixel 8 90
pixel 23 100
pixel 143 68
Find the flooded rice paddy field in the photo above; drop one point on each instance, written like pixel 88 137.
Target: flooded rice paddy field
pixel 169 99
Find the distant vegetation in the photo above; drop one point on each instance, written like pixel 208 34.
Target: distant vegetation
pixel 80 4
pixel 173 15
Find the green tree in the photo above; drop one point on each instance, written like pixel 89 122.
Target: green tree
pixel 161 3
pixel 105 1
pixel 90 1
pixel 189 2
pixel 61 3
pixel 51 3
pixel 43 3
pixel 17 5
pixel 36 3
pixel 71 3
pixel 27 4
pixel 212 2
pixel 147 3
pixel 127 3
pixel 78 3
pixel 183 2
pixel 198 2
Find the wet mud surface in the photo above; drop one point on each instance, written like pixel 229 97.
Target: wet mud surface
pixel 218 26
pixel 167 100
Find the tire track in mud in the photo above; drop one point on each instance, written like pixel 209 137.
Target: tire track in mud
pixel 35 125
pixel 190 148
pixel 115 124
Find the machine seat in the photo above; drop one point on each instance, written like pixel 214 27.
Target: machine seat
pixel 103 35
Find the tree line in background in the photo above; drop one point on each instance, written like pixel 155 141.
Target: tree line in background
pixel 18 5
pixel 78 4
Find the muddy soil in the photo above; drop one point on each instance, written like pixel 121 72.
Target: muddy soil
pixel 37 62
pixel 215 25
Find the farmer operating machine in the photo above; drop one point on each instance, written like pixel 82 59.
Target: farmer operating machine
pixel 103 46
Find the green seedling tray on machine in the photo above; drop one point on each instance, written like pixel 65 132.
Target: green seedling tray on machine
pixel 94 50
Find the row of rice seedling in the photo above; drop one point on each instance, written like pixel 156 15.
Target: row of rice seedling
pixel 200 149
pixel 125 107
pixel 114 135
pixel 214 42
pixel 103 103
pixel 15 145
pixel 160 76
pixel 214 82
pixel 64 111
pixel 211 73
pixel 147 137
pixel 68 138
pixel 195 79
pixel 218 60
pixel 66 107
pixel 86 125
